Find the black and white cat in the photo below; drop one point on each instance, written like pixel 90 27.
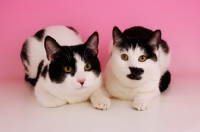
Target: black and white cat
pixel 62 68
pixel 138 66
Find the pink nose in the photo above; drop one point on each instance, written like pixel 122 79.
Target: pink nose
pixel 81 81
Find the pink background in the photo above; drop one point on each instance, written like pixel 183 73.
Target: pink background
pixel 179 21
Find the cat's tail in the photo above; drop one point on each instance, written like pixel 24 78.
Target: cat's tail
pixel 164 81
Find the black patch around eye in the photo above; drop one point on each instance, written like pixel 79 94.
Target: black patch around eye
pixel 95 64
pixel 96 68
pixel 40 34
pixel 56 71
pixel 88 57
pixel 149 52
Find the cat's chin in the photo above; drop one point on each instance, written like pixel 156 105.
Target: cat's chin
pixel 81 88
pixel 132 77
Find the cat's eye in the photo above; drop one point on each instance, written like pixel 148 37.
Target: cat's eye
pixel 67 69
pixel 142 58
pixel 124 57
pixel 88 67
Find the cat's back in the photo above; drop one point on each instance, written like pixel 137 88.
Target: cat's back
pixel 65 36
pixel 62 34
pixel 33 51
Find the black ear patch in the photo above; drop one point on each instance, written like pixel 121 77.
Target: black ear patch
pixel 92 43
pixel 118 37
pixel 53 49
pixel 154 39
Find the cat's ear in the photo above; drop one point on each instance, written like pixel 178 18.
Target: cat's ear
pixel 92 43
pixel 52 48
pixel 155 39
pixel 118 37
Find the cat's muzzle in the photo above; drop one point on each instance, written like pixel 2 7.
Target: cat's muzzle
pixel 135 73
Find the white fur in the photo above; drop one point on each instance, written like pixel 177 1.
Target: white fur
pixel 51 94
pixel 61 34
pixel 138 91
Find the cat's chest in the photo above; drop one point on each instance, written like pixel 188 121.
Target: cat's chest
pixel 120 91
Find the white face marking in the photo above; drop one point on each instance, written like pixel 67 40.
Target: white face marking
pixel 134 54
pixel 80 64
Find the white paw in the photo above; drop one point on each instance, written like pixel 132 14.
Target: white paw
pixel 140 104
pixel 102 103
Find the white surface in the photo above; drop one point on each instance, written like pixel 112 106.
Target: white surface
pixel 176 110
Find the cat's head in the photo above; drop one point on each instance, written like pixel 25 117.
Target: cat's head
pixel 134 58
pixel 74 67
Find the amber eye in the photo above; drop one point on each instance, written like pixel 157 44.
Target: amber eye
pixel 88 66
pixel 124 57
pixel 67 69
pixel 142 58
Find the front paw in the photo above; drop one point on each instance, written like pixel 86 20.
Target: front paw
pixel 102 103
pixel 140 104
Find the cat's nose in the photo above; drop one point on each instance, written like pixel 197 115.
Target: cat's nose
pixel 81 81
pixel 136 71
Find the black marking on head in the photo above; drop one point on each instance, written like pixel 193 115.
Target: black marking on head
pixel 89 52
pixel 24 52
pixel 56 71
pixel 40 34
pixel 61 56
pixel 135 73
pixel 92 43
pixel 73 29
pixel 149 52
pixel 118 38
pixel 164 46
pixel 33 81
pixel 144 38
pixel 44 72
pixel 164 81
pixel 53 49
pixel 141 32
pixel 154 39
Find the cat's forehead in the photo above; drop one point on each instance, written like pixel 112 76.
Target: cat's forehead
pixel 136 43
pixel 136 49
pixel 77 53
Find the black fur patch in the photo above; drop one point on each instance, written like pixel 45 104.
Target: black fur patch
pixel 133 37
pixel 139 35
pixel 33 81
pixel 24 51
pixel 56 71
pixel 73 29
pixel 44 72
pixel 88 57
pixel 137 32
pixel 164 81
pixel 66 58
pixel 164 46
pixel 40 34
pixel 135 73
